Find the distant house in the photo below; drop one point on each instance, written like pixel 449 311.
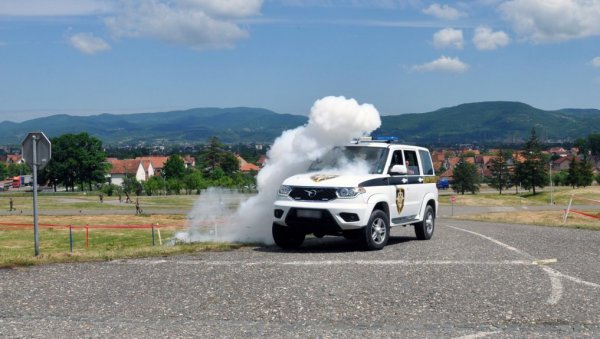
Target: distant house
pixel 120 169
pixel 246 166
pixel 158 162
pixel 262 161
pixel 562 163
pixel 14 159
pixel 189 161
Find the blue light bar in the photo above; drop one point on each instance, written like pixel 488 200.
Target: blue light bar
pixel 385 138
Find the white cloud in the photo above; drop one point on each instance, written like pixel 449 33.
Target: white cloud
pixel 544 21
pixel 596 62
pixel 54 7
pixel 3 44
pixel 201 24
pixel 444 12
pixel 223 8
pixel 443 64
pixel 486 39
pixel 448 37
pixel 89 44
pixel 351 3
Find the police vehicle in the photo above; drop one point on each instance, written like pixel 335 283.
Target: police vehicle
pixel 359 191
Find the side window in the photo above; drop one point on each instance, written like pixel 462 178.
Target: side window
pixel 426 162
pixel 412 164
pixel 396 159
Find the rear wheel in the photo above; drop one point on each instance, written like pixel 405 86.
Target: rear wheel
pixel 377 232
pixel 424 229
pixel 286 237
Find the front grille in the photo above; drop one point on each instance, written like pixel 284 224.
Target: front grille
pixel 313 194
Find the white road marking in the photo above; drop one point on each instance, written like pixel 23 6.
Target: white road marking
pixel 478 335
pixel 508 247
pixel 554 275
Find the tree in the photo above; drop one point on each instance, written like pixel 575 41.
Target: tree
pixel 153 185
pixel 580 173
pixel 131 185
pixel 76 159
pixel 593 144
pixel 18 169
pixel 174 167
pixel 215 156
pixel 465 178
pixel 194 180
pixel 501 175
pixel 3 171
pixel 533 171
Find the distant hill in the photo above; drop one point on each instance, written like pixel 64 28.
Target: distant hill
pixel 499 121
pixel 194 125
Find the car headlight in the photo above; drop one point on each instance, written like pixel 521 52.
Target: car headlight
pixel 284 190
pixel 349 192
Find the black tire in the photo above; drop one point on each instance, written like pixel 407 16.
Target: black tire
pixel 286 237
pixel 424 229
pixel 377 232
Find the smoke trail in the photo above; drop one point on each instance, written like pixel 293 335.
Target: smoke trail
pixel 332 121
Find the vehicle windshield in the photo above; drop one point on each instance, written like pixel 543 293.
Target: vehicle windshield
pixel 370 160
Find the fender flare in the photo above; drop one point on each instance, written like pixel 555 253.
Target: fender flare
pixel 428 197
pixel 376 199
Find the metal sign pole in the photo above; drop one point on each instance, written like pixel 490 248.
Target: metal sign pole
pixel 36 234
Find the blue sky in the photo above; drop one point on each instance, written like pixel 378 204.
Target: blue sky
pixel 84 57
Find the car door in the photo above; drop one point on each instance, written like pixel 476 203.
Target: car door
pixel 413 194
pixel 407 194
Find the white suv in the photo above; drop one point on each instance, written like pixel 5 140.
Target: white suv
pixel 397 188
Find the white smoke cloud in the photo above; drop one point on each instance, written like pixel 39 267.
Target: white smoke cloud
pixel 448 37
pixel 89 44
pixel 596 62
pixel 332 121
pixel 486 39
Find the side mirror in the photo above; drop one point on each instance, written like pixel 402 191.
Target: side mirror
pixel 399 169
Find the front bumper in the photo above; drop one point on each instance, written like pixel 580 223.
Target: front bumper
pixel 324 217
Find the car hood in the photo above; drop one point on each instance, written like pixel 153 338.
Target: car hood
pixel 317 179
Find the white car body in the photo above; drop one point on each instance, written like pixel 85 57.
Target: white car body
pixel 314 204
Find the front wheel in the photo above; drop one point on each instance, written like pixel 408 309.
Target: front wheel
pixel 286 237
pixel 424 229
pixel 377 232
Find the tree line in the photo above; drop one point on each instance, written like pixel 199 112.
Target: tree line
pixel 79 161
pixel 532 172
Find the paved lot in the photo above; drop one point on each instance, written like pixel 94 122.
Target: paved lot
pixel 472 280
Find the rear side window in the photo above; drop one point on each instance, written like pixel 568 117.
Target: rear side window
pixel 426 162
pixel 411 162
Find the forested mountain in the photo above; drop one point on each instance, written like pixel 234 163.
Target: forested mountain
pixel 473 122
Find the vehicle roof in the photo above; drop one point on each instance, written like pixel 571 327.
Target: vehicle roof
pixel 387 145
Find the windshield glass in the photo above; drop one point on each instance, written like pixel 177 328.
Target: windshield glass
pixel 370 160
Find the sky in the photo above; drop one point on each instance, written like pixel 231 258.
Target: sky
pixel 83 57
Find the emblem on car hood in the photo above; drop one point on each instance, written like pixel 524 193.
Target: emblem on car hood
pixel 322 177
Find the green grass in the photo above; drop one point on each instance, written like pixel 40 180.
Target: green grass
pixel 560 196
pixel 17 245
pixel 78 201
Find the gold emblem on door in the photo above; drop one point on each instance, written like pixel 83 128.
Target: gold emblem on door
pixel 399 199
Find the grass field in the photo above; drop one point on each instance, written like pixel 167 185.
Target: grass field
pixel 17 240
pixel 17 248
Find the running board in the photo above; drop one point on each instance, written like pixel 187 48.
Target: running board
pixel 405 220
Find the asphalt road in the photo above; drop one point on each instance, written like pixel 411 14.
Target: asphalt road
pixel 472 280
